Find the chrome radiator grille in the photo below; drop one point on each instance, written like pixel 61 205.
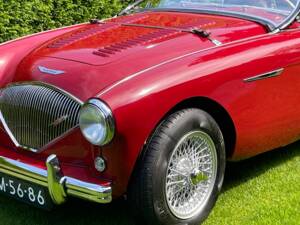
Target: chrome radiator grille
pixel 35 114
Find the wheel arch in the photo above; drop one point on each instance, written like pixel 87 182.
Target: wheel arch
pixel 218 112
pixel 210 106
pixel 213 108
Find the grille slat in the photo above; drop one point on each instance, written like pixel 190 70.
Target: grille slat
pixel 54 112
pixel 38 105
pixel 35 114
pixel 45 117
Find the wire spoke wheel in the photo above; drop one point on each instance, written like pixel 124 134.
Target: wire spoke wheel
pixel 181 172
pixel 191 174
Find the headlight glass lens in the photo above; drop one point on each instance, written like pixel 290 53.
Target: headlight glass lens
pixel 95 122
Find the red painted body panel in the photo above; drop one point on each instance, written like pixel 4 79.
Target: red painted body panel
pixel 79 45
pixel 265 113
pixel 142 76
pixel 130 60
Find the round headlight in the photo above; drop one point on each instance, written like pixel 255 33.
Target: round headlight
pixel 96 122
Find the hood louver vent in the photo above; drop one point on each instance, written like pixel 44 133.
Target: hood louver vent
pixel 107 51
pixel 82 34
pixel 144 39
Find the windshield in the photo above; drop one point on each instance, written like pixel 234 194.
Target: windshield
pixel 274 12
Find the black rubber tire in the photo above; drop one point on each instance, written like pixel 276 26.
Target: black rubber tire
pixel 146 190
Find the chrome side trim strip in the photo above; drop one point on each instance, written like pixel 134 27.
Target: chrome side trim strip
pixel 59 186
pixel 271 74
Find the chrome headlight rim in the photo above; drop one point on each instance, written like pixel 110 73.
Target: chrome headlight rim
pixel 108 118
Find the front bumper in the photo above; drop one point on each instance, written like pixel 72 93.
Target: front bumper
pixel 59 186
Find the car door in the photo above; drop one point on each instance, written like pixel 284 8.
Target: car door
pixel 267 115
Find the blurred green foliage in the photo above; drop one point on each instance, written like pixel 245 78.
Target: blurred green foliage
pixel 22 17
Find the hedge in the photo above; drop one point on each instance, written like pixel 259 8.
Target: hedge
pixel 22 17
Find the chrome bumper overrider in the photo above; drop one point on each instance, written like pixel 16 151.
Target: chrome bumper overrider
pixel 59 186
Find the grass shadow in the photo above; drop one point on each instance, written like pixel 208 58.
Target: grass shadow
pixel 240 172
pixel 74 212
pixel 77 212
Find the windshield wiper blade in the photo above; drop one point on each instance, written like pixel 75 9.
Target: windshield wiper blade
pixel 199 32
pixel 130 7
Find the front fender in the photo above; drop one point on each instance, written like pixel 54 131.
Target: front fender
pixel 141 101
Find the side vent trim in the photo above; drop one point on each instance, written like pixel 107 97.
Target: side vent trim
pixel 270 74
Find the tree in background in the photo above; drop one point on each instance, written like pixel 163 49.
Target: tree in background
pixel 22 17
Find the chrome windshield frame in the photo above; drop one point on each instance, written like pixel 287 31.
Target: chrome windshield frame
pixel 290 19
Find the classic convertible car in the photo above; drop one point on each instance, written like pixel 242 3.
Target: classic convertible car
pixel 149 104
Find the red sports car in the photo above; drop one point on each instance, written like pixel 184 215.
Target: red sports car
pixel 150 103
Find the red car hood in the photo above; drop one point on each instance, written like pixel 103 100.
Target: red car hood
pixel 119 47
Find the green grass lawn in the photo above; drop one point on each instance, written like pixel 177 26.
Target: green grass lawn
pixel 261 190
